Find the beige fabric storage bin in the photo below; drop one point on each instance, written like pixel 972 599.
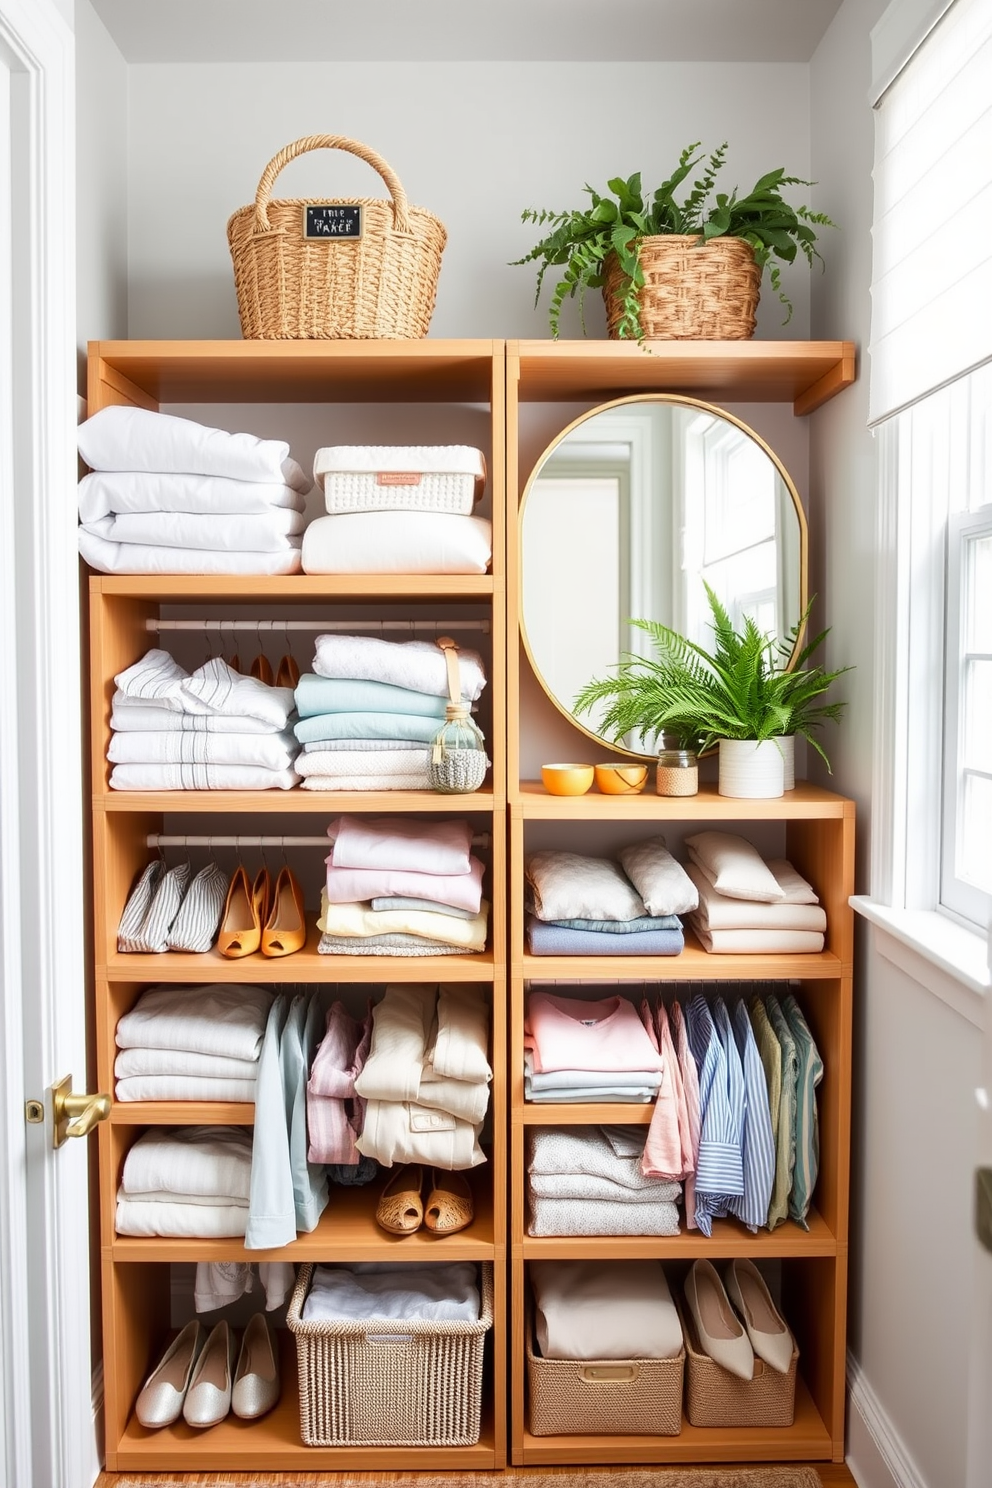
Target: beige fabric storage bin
pixel 389 1382
pixel 609 1397
pixel 435 478
pixel 715 1397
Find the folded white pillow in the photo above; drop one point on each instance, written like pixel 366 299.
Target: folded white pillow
pixel 105 491
pixel 397 542
pixel 122 438
pixel 734 866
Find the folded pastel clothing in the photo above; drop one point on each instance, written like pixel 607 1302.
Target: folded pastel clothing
pixel 198 919
pixel 116 557
pixel 253 532
pixel 132 716
pixel 551 940
pixel 397 542
pixel 735 866
pixel 401 1026
pixel 621 927
pixel 213 689
pixel 402 901
pixel 361 746
pixel 458 1049
pixel 410 780
pixel 404 1132
pixel 219 1221
pixel 343 764
pixel 315 695
pixel 576 1079
pixel 227 1019
pixel 586 1186
pixel 357 919
pixel 346 885
pixel 717 912
pixel 183 1088
pixel 570 886
pixel 759 942
pixel 355 1292
pixel 384 945
pixel 193 1160
pixel 462 1098
pixel 135 439
pixel 661 882
pixel 399 842
pixel 142 1061
pixel 268 751
pixel 586 1149
pixel 565 1095
pixel 604 1310
pixel 419 665
pixel 183 777
pixel 794 888
pixel 105 491
pixel 601 1217
pixel 575 1033
pixel 408 727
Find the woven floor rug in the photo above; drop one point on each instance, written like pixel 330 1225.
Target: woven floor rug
pixel 564 1477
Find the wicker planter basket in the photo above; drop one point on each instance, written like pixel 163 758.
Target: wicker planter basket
pixel 291 287
pixel 390 1383
pixel 715 1397
pixel 707 292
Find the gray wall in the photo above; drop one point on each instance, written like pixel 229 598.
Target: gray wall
pixel 101 184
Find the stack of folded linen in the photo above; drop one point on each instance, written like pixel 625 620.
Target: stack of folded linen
pixel 580 1050
pixel 211 729
pixel 399 509
pixel 746 904
pixel 376 1289
pixel 401 886
pixel 585 906
pixel 167 495
pixel 587 1180
pixel 604 1310
pixel 370 709
pixel 426 1079
pixel 190 1181
pixel 192 1043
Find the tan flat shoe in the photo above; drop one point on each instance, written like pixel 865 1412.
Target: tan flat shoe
pixel 285 928
pixel 400 1209
pixel 240 930
pixel 449 1205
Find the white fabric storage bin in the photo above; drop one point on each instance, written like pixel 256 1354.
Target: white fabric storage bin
pixel 402 477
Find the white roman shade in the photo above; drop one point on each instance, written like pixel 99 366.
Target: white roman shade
pixel 931 291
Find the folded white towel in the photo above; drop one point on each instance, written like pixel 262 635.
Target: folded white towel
pixel 399 842
pixel 134 558
pixel 254 532
pixel 213 689
pixel 361 746
pixel 183 1088
pixel 343 764
pixel 197 1160
pixel 585 1186
pixel 407 1132
pixel 219 1221
pixel 133 716
pixel 125 438
pixel 269 751
pixel 418 665
pixel 584 1149
pixel 183 777
pixel 142 1061
pixel 226 1019
pixel 103 492
pixel 413 780
pixel 409 542
pixel 448 1293
pixel 601 1217
pixel 718 912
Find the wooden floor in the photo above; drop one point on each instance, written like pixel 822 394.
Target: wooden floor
pixel 831 1476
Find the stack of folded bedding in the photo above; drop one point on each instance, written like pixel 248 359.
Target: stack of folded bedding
pixel 399 509
pixel 402 886
pixel 746 904
pixel 167 495
pixel 425 1082
pixel 585 906
pixel 211 729
pixel 588 1180
pixel 193 1181
pixel 377 1289
pixel 604 1310
pixel 192 1043
pixel 370 709
pixel 581 1050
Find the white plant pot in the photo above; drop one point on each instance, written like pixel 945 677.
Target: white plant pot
pixel 751 768
pixel 788 743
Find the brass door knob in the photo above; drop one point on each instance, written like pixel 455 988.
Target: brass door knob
pixel 75 1115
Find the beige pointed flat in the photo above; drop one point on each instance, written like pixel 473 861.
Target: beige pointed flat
pixel 449 1205
pixel 400 1209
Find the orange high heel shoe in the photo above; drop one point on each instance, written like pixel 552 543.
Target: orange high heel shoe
pixel 261 897
pixel 240 930
pixel 285 926
pixel 288 672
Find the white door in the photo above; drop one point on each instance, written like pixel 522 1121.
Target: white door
pixel 46 1407
pixel 980 1404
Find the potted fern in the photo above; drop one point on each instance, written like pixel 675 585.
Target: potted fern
pixel 738 696
pixel 671 270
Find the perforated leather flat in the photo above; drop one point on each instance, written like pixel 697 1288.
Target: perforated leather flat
pixel 449 1205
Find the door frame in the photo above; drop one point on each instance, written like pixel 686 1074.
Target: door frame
pixel 47 1431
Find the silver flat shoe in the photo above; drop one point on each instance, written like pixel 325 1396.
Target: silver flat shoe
pixel 208 1398
pixel 256 1379
pixel 161 1399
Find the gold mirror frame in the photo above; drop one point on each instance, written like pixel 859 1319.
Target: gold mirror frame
pixel 679 400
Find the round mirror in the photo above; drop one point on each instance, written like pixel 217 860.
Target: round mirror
pixel 627 515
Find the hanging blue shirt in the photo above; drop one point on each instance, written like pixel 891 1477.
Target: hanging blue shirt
pixel 719 1167
pixel 758 1139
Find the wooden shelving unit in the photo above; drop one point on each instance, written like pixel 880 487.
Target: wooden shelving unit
pixel 135 1272
pixel 815 829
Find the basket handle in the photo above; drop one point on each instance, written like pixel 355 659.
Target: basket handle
pixel 401 220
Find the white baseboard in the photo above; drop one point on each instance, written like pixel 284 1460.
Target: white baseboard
pixel 877 1455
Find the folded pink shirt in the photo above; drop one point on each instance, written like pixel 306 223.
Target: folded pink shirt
pixel 461 890
pixel 397 842
pixel 570 1033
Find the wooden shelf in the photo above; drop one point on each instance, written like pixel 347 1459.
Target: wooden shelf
pixel 729 1238
pixel 295 801
pixel 692 964
pixel 182 1113
pixel 803 373
pixel 278 588
pixel 806 803
pixel 612 1113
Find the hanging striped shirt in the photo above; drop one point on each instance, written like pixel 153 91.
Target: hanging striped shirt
pixel 758 1138
pixel 719 1169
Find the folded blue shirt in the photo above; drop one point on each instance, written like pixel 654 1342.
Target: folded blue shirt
pixel 366 726
pixel 315 695
pixel 557 940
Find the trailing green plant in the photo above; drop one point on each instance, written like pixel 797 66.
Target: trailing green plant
pixel 739 690
pixel 582 239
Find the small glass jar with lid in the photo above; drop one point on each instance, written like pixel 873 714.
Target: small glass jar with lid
pixel 677 773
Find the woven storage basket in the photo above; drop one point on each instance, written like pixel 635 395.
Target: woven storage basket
pixel 610 1397
pixel 389 1383
pixel 715 1397
pixel 436 478
pixel 692 291
pixel 290 287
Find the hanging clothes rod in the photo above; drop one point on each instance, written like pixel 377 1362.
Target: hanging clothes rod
pixel 347 627
pixel 163 839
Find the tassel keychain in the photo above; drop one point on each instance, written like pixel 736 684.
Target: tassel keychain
pixel 458 761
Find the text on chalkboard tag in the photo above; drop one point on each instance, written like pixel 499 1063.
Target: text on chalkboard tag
pixel 337 220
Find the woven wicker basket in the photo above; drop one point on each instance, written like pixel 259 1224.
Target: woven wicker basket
pixel 380 285
pixel 692 291
pixel 715 1397
pixel 390 1383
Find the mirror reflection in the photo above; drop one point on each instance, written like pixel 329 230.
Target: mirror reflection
pixel 627 515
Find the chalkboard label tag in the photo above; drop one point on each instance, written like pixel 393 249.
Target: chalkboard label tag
pixel 342 220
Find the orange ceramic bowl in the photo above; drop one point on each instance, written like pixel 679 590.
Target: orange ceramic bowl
pixel 621 780
pixel 567 780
